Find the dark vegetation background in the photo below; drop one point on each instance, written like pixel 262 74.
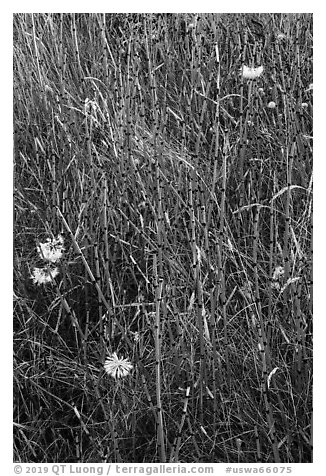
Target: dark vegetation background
pixel 184 192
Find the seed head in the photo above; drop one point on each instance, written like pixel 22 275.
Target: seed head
pixel 117 367
pixel 280 37
pixel 278 273
pixel 52 250
pixel 252 73
pixel 44 275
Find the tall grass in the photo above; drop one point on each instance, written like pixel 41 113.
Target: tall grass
pixel 179 193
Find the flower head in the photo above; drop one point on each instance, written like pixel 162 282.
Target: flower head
pixel 52 250
pixel 90 106
pixel 271 105
pixel 252 73
pixel 117 367
pixel 44 275
pixel 278 273
pixel 280 37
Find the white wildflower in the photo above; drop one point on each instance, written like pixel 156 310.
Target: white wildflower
pixel 304 105
pixel 117 367
pixel 278 273
pixel 271 105
pixel 44 275
pixel 90 106
pixel 136 161
pixel 48 88
pixel 280 37
pixel 252 73
pixel 52 250
pixel 136 336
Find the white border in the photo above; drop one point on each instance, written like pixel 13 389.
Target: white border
pixel 319 208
